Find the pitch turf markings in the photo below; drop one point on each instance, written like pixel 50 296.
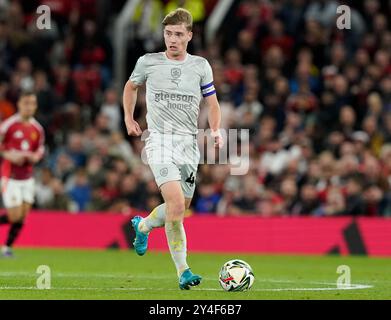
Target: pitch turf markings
pixel 328 286
pixel 138 276
pixel 351 287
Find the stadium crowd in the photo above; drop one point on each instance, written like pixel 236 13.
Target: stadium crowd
pixel 316 101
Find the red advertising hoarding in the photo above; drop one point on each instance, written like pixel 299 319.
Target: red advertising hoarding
pixel 284 235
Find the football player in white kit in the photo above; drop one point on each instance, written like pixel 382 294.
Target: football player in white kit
pixel 175 83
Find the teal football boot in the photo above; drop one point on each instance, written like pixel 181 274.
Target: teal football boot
pixel 188 279
pixel 140 243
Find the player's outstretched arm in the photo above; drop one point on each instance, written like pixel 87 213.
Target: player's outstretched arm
pixel 214 118
pixel 129 102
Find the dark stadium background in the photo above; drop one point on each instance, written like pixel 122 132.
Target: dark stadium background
pixel 317 101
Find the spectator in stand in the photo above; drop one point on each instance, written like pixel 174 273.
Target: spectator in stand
pixel 250 196
pixel 338 56
pixel 59 200
pixel 112 109
pixel 289 193
pixel 80 191
pixel 110 189
pixel 334 205
pixel 230 192
pixel 277 37
pixel 7 52
pixel 374 200
pixel 249 112
pixel 385 90
pixel 95 171
pixel 43 191
pixel 7 109
pixel 385 157
pixel 355 204
pixel 133 192
pixel 253 14
pixel 45 96
pixel 348 165
pixel 24 69
pixel 266 132
pixel 249 52
pixel 271 204
pixel 387 127
pixel 102 124
pixel 207 199
pixel 64 87
pixel 233 67
pixel 322 11
pixel 347 121
pixel 121 148
pixel 370 127
pixel 308 201
pixel 63 167
pixel 75 149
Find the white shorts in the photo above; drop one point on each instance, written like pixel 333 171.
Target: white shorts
pixel 15 192
pixel 173 158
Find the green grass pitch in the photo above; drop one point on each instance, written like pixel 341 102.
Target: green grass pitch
pixel 112 274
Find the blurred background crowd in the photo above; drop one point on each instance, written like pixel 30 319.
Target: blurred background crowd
pixel 316 99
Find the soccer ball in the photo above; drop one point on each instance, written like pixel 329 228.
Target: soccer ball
pixel 236 275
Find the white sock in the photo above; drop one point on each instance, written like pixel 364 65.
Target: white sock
pixel 156 219
pixel 176 239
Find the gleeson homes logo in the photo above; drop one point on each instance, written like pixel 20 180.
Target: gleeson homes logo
pixel 174 100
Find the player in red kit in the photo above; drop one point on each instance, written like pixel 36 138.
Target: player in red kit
pixel 21 146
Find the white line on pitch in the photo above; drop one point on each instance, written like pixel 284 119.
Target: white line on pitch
pixel 137 276
pixel 161 277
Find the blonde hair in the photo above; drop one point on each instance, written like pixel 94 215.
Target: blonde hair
pixel 179 16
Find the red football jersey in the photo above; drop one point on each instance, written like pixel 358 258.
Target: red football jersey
pixel 24 137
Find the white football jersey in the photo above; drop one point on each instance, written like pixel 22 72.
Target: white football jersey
pixel 174 90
